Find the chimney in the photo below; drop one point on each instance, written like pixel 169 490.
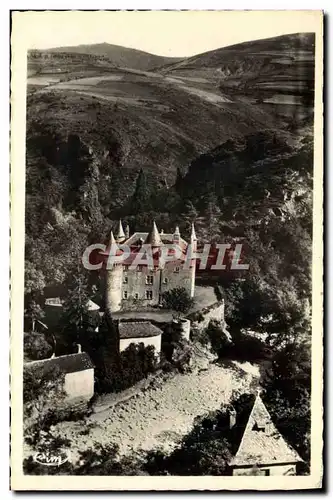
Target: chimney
pixel 232 417
pixel 79 350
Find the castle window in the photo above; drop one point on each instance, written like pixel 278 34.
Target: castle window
pixel 125 294
pixel 125 267
pixel 125 280
pixel 139 269
pixel 176 269
pixel 136 295
pixel 149 280
pixel 165 281
pixel 149 294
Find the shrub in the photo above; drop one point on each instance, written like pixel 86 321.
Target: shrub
pixel 177 299
pixel 247 348
pixel 36 347
pixel 123 370
pixel 217 338
pixel 242 348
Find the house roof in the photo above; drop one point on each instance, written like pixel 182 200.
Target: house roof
pixel 69 363
pixel 57 301
pixel 137 329
pixel 261 442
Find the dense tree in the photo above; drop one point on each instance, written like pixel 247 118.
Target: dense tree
pixel 75 315
pixel 43 393
pixel 115 371
pixel 218 339
pixel 33 312
pixel 140 201
pixel 36 346
pixel 213 218
pixel 288 394
pixel 177 299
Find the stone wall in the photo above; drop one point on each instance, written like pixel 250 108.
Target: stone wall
pixel 136 287
pixel 126 288
pixel 200 320
pixel 177 277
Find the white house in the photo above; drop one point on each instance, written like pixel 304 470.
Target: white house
pixel 79 374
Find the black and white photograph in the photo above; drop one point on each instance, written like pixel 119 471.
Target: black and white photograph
pixel 167 173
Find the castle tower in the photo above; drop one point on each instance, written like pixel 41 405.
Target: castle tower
pixel 120 236
pixel 114 281
pixel 193 243
pixel 127 231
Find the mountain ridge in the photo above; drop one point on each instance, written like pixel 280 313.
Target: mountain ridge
pixel 119 55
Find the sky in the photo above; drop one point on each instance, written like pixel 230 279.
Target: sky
pixel 167 33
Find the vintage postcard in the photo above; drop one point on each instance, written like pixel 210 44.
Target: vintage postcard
pixel 167 250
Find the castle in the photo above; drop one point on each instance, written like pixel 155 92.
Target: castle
pixel 141 286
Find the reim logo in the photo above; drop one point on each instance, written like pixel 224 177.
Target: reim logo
pixel 51 459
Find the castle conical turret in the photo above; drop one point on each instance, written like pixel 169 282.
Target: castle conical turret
pixel 153 237
pixel 112 239
pixel 120 233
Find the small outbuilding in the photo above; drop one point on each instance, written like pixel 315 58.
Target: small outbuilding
pixel 78 371
pixel 136 332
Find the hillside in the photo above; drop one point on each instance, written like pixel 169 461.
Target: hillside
pixel 277 70
pixel 119 56
pixel 92 126
pixel 135 123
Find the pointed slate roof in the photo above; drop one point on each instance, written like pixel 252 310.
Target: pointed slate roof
pixel 120 232
pixel 261 442
pixel 112 239
pixel 153 237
